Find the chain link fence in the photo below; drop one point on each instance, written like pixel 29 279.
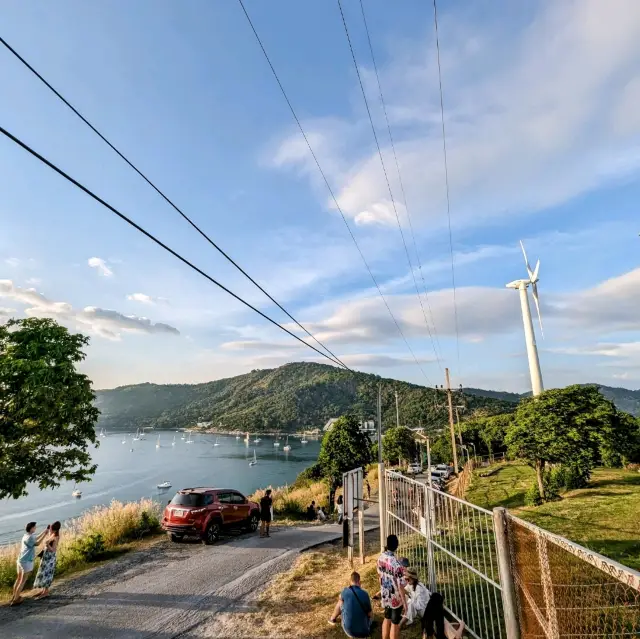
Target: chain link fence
pixel 566 591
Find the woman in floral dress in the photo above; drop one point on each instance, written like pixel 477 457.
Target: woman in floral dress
pixel 47 567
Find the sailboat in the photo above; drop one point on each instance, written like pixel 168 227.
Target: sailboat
pixel 102 434
pixel 217 442
pixel 141 436
pixel 173 443
pixel 254 461
pixel 304 440
pixel 276 443
pixel 158 442
pixel 287 447
pixel 137 437
pixel 76 493
pixel 189 440
pixel 257 440
pixel 183 435
pixel 124 439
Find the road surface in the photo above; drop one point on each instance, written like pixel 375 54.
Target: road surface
pixel 165 591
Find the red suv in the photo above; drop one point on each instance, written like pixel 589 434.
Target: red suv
pixel 205 512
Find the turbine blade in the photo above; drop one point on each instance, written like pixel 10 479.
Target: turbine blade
pixel 536 299
pixel 526 261
pixel 534 277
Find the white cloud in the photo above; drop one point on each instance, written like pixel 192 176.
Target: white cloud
pixel 13 262
pixel 259 345
pixel 146 299
pixel 100 265
pixel 536 115
pixel 102 322
pixel 34 281
pixel 4 312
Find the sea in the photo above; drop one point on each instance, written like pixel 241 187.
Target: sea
pixel 129 470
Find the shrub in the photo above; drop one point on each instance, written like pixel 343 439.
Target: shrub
pixel 532 496
pixel 308 476
pixel 90 548
pixel 576 476
pixel 554 483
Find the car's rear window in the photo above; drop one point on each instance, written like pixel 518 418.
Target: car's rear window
pixel 188 499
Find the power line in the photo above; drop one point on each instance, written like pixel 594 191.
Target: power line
pixel 404 195
pixel 326 181
pixel 386 176
pixel 164 197
pixel 446 181
pixel 129 221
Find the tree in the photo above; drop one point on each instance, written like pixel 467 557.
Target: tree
pixel 562 426
pixel 399 443
pixel 344 448
pixel 47 416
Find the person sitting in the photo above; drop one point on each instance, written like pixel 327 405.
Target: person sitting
pixel 311 511
pixel 321 515
pixel 434 623
pixel 417 598
pixel 354 605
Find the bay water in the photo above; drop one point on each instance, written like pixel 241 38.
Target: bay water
pixel 129 470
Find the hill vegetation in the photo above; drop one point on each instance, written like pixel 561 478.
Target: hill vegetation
pixel 289 398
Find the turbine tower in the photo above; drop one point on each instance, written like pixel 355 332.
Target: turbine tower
pixel 529 334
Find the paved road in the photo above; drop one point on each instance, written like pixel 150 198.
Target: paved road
pixel 164 592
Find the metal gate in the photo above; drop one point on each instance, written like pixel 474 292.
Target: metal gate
pixel 452 545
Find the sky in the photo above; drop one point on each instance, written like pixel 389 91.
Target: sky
pixel 543 145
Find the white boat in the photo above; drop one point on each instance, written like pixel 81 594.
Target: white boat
pixel 76 493
pixel 183 436
pixel 137 437
pixel 237 436
pixel 304 440
pixel 173 443
pixel 102 434
pixel 254 461
pixel 158 442
pixel 287 447
pixel 124 440
pixel 276 443
pixel 164 484
pixel 217 442
pixel 257 440
pixel 189 440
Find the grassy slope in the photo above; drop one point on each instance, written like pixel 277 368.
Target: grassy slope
pixel 603 517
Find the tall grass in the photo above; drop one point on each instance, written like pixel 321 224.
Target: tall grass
pixel 97 534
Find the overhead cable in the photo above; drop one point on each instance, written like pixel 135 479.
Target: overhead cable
pixel 164 197
pixel 328 185
pixel 386 177
pixel 152 237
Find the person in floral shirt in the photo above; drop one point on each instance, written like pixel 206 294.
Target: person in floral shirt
pixel 392 584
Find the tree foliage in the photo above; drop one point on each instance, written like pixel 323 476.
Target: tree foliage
pixel 575 426
pixel 399 443
pixel 47 416
pixel 344 448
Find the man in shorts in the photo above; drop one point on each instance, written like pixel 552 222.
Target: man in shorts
pixel 392 583
pixel 26 558
pixel 265 513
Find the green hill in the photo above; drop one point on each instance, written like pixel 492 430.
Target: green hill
pixel 292 397
pixel 624 399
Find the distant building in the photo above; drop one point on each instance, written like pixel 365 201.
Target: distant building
pixel 368 426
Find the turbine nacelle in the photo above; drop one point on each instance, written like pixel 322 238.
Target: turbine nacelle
pixel 532 281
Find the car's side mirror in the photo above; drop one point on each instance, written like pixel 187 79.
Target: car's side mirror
pixel 168 502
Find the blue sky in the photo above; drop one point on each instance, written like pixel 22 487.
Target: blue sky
pixel 543 132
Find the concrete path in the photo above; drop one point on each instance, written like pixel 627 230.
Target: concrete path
pixel 167 591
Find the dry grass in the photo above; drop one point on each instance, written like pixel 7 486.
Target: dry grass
pixel 299 602
pixel 117 524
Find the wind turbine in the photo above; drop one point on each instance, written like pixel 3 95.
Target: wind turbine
pixel 529 335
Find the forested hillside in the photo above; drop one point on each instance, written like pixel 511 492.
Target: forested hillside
pixel 624 399
pixel 292 397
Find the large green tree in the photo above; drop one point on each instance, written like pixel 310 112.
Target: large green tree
pixel 571 426
pixel 344 447
pixel 399 443
pixel 47 416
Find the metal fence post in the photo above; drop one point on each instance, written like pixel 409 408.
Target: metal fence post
pixel 382 506
pixel 506 575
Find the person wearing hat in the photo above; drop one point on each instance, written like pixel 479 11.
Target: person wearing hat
pixel 417 598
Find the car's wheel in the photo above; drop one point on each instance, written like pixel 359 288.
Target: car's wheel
pixel 252 522
pixel 175 537
pixel 212 534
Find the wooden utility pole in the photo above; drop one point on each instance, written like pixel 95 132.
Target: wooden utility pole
pixel 451 425
pixel 458 424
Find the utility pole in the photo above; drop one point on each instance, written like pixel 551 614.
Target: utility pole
pixel 458 424
pixel 379 423
pixel 451 426
pixel 397 411
pixel 382 501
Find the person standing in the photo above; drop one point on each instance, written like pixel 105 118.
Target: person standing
pixel 340 509
pixel 392 584
pixel 368 485
pixel 312 513
pixel 266 503
pixel 26 558
pixel 47 568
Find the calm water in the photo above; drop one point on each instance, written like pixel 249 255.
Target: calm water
pixel 128 476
